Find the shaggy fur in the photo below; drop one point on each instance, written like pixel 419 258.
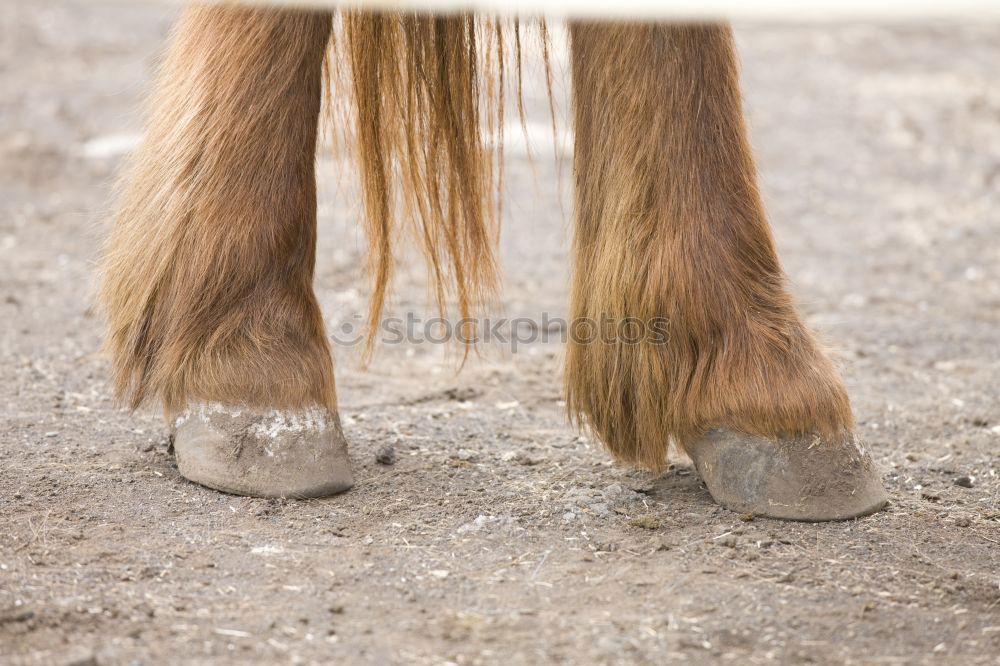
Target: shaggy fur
pixel 208 271
pixel 669 223
pixel 207 274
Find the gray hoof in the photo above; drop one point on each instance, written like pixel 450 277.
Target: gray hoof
pixel 263 453
pixel 805 478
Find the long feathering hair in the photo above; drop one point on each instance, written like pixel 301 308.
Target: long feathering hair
pixel 208 270
pixel 670 225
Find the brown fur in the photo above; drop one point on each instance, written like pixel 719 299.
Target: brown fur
pixel 208 271
pixel 669 223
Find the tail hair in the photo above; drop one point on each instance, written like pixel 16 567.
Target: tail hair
pixel 427 96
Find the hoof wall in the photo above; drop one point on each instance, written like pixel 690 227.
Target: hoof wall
pixel 263 453
pixel 806 478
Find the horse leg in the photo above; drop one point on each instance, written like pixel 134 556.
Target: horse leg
pixel 671 235
pixel 208 271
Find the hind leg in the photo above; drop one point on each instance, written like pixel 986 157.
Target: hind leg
pixel 208 271
pixel 670 229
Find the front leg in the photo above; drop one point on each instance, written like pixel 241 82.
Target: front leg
pixel 670 228
pixel 208 272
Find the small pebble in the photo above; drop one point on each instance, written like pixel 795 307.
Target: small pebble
pixel 386 455
pixel 964 481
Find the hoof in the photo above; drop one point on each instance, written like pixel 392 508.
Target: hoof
pixel 806 478
pixel 263 453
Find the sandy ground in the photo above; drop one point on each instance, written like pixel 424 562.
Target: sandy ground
pixel 500 535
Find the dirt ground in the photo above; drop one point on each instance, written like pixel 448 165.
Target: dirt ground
pixel 500 535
